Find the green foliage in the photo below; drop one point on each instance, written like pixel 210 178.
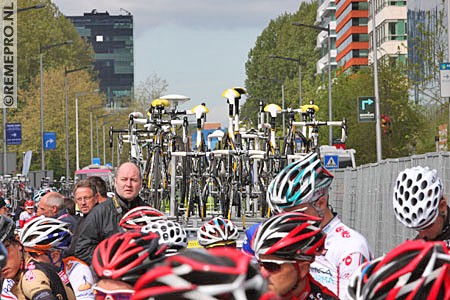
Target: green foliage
pixel 411 130
pixel 283 39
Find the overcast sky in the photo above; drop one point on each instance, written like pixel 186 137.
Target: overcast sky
pixel 199 46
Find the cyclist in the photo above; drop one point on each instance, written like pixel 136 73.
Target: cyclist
pixel 170 233
pixel 32 279
pixel 45 239
pixel 414 270
pixel 285 246
pixel 27 214
pixel 419 203
pixel 248 239
pixel 218 273
pixel 121 259
pixel 218 232
pixel 303 186
pixel 140 216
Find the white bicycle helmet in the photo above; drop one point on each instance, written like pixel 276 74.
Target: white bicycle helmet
pixel 170 233
pixel 140 216
pixel 217 231
pixel 417 193
pixel 42 234
pixel 302 181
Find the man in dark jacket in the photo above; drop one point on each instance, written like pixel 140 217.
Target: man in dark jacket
pixel 103 220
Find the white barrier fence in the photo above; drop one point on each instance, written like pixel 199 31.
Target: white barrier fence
pixel 363 197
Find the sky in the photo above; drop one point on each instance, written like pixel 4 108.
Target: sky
pixel 199 47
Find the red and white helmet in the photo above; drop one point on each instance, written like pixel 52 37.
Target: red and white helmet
pixel 126 256
pixel 140 216
pixel 217 231
pixel 213 274
pixel 414 270
pixel 291 236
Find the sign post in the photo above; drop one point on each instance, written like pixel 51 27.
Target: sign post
pixel 366 109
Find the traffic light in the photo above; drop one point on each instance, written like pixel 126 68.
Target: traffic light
pixel 385 124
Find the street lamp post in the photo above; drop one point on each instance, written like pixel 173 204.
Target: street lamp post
pixel 330 110
pixel 66 93
pixel 282 98
pixel 91 129
pixel 41 53
pixel 80 94
pixel 299 73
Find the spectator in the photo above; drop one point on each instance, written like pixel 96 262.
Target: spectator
pixel 101 188
pixel 303 186
pixel 52 206
pixel 70 205
pixel 285 246
pixel 103 221
pixel 27 214
pixel 86 198
pixel 419 203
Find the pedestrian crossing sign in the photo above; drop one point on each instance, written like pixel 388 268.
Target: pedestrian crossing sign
pixel 331 161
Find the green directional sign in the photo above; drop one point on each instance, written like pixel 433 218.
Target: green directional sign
pixel 366 109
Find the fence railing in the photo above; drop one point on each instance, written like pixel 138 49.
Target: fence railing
pixel 363 197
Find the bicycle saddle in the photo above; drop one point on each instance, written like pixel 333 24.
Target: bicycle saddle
pixel 160 102
pixel 273 109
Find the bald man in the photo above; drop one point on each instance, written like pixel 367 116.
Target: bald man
pixel 103 220
pixel 52 206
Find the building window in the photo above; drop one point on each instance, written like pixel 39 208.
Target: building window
pixel 397 31
pixel 99 38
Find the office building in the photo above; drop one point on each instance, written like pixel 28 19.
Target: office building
pixel 111 37
pixel 352 39
pixel 326 17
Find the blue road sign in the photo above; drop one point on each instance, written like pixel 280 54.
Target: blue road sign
pixel 13 133
pixel 96 161
pixel 49 140
pixel 331 161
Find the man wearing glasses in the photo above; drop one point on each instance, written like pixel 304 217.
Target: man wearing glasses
pixel 285 246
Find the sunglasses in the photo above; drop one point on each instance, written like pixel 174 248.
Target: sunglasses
pixel 274 266
pixel 102 294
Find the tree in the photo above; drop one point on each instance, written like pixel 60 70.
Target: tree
pixel 151 88
pixel 264 74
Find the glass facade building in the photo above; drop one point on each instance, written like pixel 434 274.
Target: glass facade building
pixel 427 47
pixel 112 40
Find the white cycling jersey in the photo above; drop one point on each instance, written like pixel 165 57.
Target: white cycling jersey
pixel 345 250
pixel 6 290
pixel 80 277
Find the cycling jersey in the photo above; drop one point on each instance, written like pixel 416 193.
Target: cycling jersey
pixel 6 290
pixel 80 276
pixel 345 250
pixel 40 281
pixel 314 290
